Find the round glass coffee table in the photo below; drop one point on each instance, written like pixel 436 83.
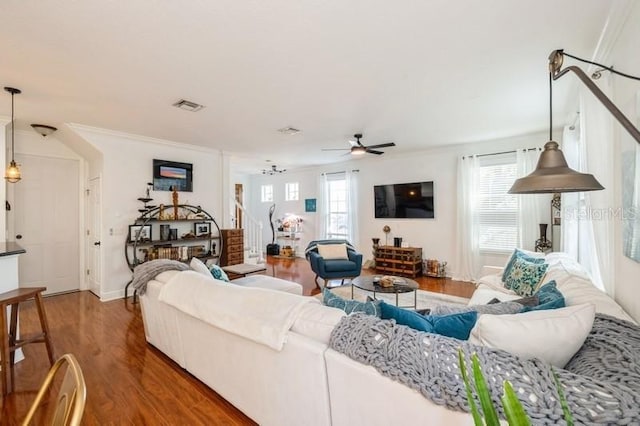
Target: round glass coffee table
pixel 400 285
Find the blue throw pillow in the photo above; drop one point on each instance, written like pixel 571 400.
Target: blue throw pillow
pixel 218 273
pixel 522 255
pixel 350 306
pixel 549 298
pixel 524 276
pixel 406 317
pixel 457 325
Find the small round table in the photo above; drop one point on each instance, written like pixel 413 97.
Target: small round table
pixel 403 285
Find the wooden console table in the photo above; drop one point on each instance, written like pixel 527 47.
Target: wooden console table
pixel 405 261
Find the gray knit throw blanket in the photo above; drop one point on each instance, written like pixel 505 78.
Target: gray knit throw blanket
pixel 601 382
pixel 147 271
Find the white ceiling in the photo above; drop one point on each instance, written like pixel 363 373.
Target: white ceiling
pixel 416 72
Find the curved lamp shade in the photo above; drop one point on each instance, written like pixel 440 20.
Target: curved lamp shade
pixel 552 174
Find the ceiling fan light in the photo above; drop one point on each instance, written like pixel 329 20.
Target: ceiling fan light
pixel 358 150
pixel 44 129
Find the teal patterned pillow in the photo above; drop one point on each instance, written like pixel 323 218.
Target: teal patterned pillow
pixel 524 276
pixel 522 255
pixel 350 306
pixel 218 273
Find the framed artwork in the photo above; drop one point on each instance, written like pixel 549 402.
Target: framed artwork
pixel 202 229
pixel 310 205
pixel 139 233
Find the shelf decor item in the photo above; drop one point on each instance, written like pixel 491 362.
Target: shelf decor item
pixel 139 233
pixel 202 229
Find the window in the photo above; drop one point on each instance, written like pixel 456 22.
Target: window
pixel 338 216
pixel 497 210
pixel 266 193
pixel 291 191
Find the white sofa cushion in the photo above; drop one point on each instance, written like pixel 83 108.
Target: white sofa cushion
pixel 553 336
pixel 317 321
pixel 198 266
pixel 265 281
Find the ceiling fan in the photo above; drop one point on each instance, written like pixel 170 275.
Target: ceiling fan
pixel 358 149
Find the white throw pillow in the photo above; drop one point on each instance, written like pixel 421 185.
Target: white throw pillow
pixel 333 251
pixel 197 265
pixel 553 335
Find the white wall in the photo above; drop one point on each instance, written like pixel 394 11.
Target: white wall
pixel 625 57
pixel 437 237
pixel 5 144
pixel 126 168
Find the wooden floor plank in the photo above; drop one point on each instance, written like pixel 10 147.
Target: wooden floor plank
pixel 128 380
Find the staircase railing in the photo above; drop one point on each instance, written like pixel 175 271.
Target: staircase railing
pixel 253 240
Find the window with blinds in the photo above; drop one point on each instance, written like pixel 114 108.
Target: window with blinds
pixel 497 210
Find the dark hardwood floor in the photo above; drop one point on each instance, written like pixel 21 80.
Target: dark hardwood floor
pixel 129 381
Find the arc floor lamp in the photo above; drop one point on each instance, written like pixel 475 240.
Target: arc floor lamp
pixel 552 174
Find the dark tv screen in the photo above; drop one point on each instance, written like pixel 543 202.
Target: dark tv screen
pixel 404 201
pixel 171 174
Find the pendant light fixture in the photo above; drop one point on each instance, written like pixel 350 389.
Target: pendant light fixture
pixel 552 174
pixel 12 174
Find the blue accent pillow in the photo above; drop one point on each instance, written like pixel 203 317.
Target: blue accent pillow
pixel 457 325
pixel 549 298
pixel 524 276
pixel 350 306
pixel 218 273
pixel 515 255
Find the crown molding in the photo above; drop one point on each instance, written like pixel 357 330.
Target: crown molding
pixel 140 138
pixel 616 20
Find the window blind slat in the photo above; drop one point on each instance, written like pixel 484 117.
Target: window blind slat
pixel 496 209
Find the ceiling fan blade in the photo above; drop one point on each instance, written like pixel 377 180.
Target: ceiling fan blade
pixel 382 145
pixel 335 149
pixel 372 151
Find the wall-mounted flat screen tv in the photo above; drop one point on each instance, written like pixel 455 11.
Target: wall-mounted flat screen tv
pixel 168 175
pixel 404 201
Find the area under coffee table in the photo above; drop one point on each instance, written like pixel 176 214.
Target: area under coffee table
pixel 401 285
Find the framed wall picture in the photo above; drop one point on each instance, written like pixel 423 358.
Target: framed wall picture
pixel 310 205
pixel 139 233
pixel 202 229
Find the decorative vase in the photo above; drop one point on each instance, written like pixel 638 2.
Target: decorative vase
pixel 542 244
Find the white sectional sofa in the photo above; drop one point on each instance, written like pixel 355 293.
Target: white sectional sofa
pixel 293 377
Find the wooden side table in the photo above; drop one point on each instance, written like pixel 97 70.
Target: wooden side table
pixel 9 341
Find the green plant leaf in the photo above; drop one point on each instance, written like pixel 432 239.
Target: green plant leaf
pixel 563 399
pixel 513 408
pixel 477 418
pixel 489 410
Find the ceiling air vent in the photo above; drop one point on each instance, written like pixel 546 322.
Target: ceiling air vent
pixel 188 105
pixel 289 130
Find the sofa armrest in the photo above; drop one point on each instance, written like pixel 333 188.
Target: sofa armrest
pixel 491 270
pixel 355 257
pixel 316 261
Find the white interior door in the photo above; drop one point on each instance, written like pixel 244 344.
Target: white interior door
pixel 44 221
pixel 93 236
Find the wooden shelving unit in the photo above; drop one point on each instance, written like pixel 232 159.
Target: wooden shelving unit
pixel 232 247
pixel 404 261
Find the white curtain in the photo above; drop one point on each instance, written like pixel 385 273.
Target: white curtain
pixel 468 236
pixel 587 219
pixel 351 199
pixel 533 209
pixel 351 178
pixel 322 207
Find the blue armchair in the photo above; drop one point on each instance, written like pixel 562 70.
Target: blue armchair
pixel 333 269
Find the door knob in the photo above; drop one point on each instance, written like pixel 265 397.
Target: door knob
pixel 19 237
pixel 97 243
